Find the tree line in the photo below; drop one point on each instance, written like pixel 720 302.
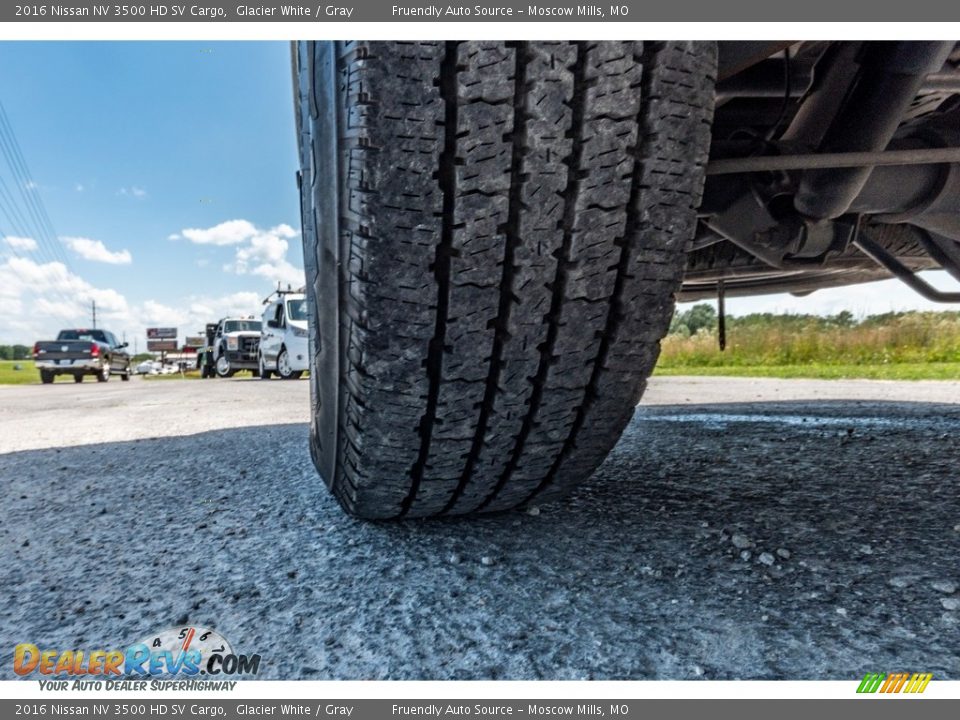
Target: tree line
pixel 15 352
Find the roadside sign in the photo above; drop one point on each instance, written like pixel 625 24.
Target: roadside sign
pixel 161 345
pixel 194 341
pixel 161 333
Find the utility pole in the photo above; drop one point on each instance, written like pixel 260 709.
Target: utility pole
pixel 93 305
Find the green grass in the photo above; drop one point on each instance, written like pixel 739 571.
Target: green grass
pixel 893 346
pixel 823 371
pixel 28 375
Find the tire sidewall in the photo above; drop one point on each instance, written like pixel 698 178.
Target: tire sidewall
pixel 222 366
pixel 289 374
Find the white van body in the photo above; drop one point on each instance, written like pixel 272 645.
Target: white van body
pixel 284 337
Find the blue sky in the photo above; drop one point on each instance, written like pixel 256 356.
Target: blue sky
pixel 130 144
pixel 167 170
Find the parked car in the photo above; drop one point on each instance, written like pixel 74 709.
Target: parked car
pixel 283 336
pixel 147 367
pixel 81 351
pixel 235 346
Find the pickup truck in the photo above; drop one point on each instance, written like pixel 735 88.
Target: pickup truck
pixel 79 352
pixel 235 346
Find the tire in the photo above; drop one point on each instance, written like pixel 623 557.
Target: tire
pixel 125 376
pixel 493 236
pixel 46 377
pixel 78 378
pixel 263 373
pixel 104 374
pixel 222 366
pixel 284 370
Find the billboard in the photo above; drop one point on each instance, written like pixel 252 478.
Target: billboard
pixel 194 341
pixel 162 345
pixel 161 333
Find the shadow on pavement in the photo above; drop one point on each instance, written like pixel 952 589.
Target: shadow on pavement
pixel 779 540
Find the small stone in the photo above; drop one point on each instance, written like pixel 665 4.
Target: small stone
pixel 956 528
pixel 842 611
pixel 697 670
pixel 454 559
pixel 764 618
pixel 866 549
pixel 766 558
pixel 488 561
pixel 944 586
pixel 950 603
pixel 741 542
pixel 534 511
pixel 784 553
pixel 745 555
pixel 900 582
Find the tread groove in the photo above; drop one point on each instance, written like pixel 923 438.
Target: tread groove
pixel 573 162
pixel 447 176
pixel 507 296
pixel 615 310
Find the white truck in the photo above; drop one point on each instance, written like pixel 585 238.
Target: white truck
pixel 235 344
pixel 284 335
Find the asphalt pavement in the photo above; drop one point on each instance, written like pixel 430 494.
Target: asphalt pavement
pixel 742 528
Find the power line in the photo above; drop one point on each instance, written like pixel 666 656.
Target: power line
pixel 27 185
pixel 33 220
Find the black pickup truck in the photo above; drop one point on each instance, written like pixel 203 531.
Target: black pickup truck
pixel 80 352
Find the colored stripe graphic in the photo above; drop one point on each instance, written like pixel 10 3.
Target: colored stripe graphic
pixel 918 683
pixel 894 683
pixel 870 683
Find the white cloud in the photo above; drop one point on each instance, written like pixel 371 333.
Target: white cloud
pixel 39 299
pixel 96 251
pixel 133 191
pixel 210 309
pixel 79 187
pixel 231 232
pixel 21 243
pixel 259 252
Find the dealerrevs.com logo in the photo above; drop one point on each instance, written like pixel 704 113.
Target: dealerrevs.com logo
pixel 182 652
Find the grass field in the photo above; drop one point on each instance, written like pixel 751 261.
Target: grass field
pixel 894 346
pixel 895 371
pixel 27 375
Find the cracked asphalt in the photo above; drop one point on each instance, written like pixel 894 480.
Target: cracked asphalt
pixel 756 529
